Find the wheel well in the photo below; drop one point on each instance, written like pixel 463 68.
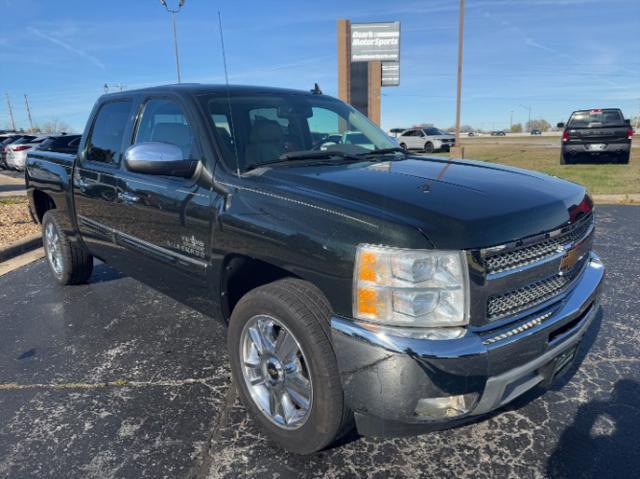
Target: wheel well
pixel 42 203
pixel 243 274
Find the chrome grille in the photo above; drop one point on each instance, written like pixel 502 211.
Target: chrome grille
pixel 530 295
pixel 525 255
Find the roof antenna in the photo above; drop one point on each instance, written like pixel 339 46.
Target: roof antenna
pixel 316 89
pixel 226 79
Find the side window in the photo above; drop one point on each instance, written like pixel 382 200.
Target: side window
pixel 105 145
pixel 164 121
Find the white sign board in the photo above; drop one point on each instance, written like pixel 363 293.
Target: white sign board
pixel 375 42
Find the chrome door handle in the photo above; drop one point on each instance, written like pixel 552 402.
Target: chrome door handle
pixel 80 183
pixel 128 198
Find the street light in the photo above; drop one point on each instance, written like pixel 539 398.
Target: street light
pixel 173 13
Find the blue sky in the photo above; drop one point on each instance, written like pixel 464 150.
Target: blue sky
pixel 555 55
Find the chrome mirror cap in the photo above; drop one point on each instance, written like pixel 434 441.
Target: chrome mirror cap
pixel 155 158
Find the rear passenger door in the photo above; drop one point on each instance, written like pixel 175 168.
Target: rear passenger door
pixel 165 221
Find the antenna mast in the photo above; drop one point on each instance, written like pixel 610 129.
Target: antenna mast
pixel 226 80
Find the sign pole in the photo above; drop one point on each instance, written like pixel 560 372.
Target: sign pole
pixel 458 149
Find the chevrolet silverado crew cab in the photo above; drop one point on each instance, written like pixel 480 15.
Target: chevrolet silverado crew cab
pixel 596 135
pixel 362 286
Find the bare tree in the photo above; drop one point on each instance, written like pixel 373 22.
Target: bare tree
pixel 541 124
pixel 516 128
pixel 54 126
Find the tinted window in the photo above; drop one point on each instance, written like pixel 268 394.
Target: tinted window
pixel 264 127
pixel 105 145
pixel 596 118
pixel 163 121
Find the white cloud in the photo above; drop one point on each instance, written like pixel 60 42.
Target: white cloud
pixel 68 47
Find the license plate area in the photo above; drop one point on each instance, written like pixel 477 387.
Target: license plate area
pixel 596 146
pixel 558 365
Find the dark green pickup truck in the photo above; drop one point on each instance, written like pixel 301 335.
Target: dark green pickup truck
pixel 362 286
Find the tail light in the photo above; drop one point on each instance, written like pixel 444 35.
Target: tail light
pixel 565 135
pixel 629 133
pixel 21 148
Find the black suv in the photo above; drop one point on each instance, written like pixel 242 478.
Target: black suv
pixel 600 135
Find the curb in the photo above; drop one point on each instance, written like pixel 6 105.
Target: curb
pixel 627 199
pixel 23 246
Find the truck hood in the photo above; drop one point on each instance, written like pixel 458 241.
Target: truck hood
pixel 457 204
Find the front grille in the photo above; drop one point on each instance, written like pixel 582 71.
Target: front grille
pixel 525 255
pixel 531 295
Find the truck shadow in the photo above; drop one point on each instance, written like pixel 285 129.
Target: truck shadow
pixel 603 439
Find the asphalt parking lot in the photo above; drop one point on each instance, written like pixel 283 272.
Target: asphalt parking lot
pixel 113 379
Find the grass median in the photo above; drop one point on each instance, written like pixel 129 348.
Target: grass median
pixel 543 154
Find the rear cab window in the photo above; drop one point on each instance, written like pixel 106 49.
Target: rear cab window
pixel 105 143
pixel 596 118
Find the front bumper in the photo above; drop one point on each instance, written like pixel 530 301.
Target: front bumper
pixel 385 376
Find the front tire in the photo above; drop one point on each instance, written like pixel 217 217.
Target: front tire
pixel 69 262
pixel 403 146
pixel 428 147
pixel 284 366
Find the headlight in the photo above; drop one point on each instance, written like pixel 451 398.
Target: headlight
pixel 402 287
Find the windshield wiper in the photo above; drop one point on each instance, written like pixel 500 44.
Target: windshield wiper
pixel 308 155
pixel 384 151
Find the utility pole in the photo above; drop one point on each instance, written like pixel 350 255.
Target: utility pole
pixel 511 121
pixel 458 149
pixel 13 123
pixel 26 103
pixel 173 13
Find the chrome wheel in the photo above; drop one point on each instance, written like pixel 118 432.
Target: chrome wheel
pixel 276 372
pixel 54 248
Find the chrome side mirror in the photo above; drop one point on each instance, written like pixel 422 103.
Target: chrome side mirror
pixel 155 158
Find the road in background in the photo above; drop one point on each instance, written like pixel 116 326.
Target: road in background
pixel 11 183
pixel 113 379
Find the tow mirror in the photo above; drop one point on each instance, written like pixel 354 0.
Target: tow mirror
pixel 560 125
pixel 154 158
pixel 627 122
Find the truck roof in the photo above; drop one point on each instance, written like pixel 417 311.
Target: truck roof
pixel 203 88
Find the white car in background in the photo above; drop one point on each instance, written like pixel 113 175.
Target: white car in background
pixel 428 139
pixel 16 153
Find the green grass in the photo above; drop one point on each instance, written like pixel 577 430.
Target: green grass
pixel 13 200
pixel 543 154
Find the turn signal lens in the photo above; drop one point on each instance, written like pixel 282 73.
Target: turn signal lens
pixel 416 288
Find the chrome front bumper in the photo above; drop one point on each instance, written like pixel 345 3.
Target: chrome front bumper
pixel 384 375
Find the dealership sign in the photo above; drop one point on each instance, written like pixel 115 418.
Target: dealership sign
pixel 390 73
pixel 372 42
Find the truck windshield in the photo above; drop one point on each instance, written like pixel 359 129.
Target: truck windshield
pixel 596 118
pixel 258 129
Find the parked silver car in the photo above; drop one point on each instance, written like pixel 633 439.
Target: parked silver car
pixel 16 152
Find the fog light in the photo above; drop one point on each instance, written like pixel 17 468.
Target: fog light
pixel 445 407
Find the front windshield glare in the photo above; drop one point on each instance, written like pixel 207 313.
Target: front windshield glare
pixel 259 129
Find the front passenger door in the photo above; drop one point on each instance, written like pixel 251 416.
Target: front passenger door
pixel 166 220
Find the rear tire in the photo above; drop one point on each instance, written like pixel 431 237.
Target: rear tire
pixel 624 159
pixel 69 262
pixel 268 382
pixel 564 160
